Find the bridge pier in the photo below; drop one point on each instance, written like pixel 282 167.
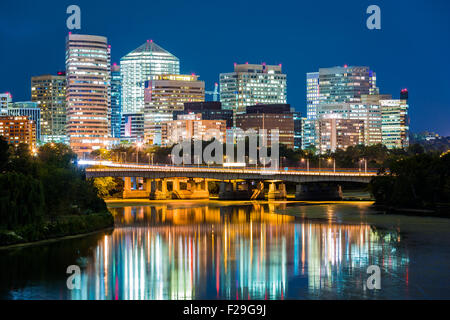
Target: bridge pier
pixel 132 190
pixel 159 190
pixel 233 190
pixel 318 192
pixel 195 189
pixel 277 191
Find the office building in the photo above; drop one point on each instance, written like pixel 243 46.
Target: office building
pixel 88 81
pixel 395 123
pixel 139 66
pixel 346 84
pixel 5 100
pixel 116 100
pixel 297 130
pixel 252 84
pixel 165 94
pixel 369 113
pixel 312 94
pixel 17 130
pixel 192 127
pixel 334 85
pixel 339 134
pixel 132 127
pixel 49 92
pixel 210 110
pixel 31 111
pixel 269 117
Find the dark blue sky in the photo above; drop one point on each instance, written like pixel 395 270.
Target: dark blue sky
pixel 412 49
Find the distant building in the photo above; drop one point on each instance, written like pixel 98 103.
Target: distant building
pixel 210 110
pixel 404 95
pixel 334 85
pixel 339 134
pixel 49 92
pixel 312 94
pixel 5 100
pixel 139 66
pixel 192 126
pixel 395 123
pixel 309 140
pixel 88 76
pixel 269 117
pixel 17 130
pixel 252 84
pixel 132 127
pixel 31 111
pixel 370 114
pixel 346 84
pixel 297 130
pixel 164 95
pixel 116 100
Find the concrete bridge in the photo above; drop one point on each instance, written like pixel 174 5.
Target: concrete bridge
pixel 171 182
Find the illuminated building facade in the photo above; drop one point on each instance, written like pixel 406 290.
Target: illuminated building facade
pixel 252 84
pixel 210 110
pixel 339 134
pixel 5 100
pixel 116 100
pixel 139 66
pixel 269 117
pixel 335 85
pixel 395 123
pixel 132 127
pixel 370 114
pixel 17 130
pixel 165 94
pixel 31 111
pixel 88 81
pixel 49 92
pixel 192 126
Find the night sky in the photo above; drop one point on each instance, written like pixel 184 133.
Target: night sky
pixel 412 50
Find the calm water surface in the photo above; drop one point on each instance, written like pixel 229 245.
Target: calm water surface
pixel 199 250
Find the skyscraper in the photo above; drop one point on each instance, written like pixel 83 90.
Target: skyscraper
pixel 88 80
pixel 116 100
pixel 137 67
pixel 252 84
pixel 49 92
pixel 312 94
pixel 336 85
pixel 165 94
pixel 395 123
pixel 346 84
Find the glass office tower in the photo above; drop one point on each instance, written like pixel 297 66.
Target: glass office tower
pixel 395 123
pixel 137 67
pixel 88 92
pixel 49 92
pixel 116 100
pixel 252 84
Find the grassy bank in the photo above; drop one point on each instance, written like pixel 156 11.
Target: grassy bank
pixel 62 226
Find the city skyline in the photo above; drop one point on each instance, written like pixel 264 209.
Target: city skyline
pixel 394 71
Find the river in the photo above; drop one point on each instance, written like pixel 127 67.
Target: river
pixel 241 250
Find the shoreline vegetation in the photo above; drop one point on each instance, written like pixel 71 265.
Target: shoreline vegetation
pixel 46 196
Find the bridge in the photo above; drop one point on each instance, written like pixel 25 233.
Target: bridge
pixel 176 182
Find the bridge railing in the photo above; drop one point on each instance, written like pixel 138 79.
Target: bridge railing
pixel 246 170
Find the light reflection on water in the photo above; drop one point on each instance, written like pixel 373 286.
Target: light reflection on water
pixel 199 251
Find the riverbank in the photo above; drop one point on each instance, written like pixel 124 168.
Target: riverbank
pixel 62 228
